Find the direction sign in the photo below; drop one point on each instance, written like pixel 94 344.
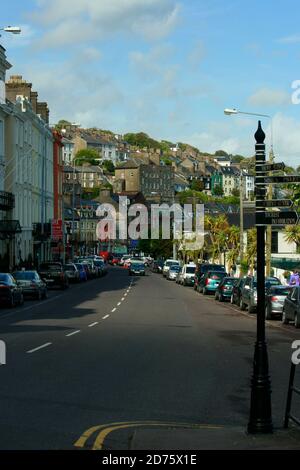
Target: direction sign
pixel 277 218
pixel 275 203
pixel 271 167
pixel 278 179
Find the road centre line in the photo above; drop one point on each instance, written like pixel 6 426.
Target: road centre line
pixel 113 310
pixel 118 304
pixel 93 324
pixel 73 333
pixel 104 318
pixel 38 348
pixel 123 298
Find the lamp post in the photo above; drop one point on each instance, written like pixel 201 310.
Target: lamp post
pixel 233 111
pixel 260 420
pixel 11 29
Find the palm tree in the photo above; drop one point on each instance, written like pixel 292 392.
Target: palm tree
pixel 251 251
pixel 292 235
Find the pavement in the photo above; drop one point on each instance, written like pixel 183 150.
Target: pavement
pixel 130 363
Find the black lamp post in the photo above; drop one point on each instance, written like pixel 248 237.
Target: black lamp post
pixel 260 411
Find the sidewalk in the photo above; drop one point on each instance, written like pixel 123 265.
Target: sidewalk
pixel 213 438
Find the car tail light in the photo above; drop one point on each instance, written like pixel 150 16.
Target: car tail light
pixel 224 287
pixel 274 299
pixel 62 275
pixel 207 282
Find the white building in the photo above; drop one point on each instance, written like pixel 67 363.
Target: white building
pixel 68 151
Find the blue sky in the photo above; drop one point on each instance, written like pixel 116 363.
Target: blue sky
pixel 165 67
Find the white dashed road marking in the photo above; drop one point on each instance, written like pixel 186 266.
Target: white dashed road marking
pixel 119 303
pixel 93 324
pixel 73 333
pixel 113 310
pixel 104 318
pixel 123 298
pixel 40 347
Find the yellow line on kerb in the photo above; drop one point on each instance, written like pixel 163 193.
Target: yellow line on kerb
pixel 106 429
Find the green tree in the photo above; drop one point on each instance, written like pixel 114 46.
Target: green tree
pixel 235 192
pixel 221 153
pixel 108 166
pixel 87 155
pixel 218 190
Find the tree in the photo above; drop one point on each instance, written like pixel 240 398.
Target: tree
pixel 221 153
pixel 87 155
pixel 251 250
pixel 235 192
pixel 141 140
pixel 108 166
pixel 218 190
pixel 292 235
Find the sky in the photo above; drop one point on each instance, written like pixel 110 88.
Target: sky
pixel 165 67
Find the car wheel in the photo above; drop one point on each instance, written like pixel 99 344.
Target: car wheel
pixel 284 319
pixel 204 291
pixel 216 297
pixel 242 305
pixel 297 320
pixel 251 309
pixel 21 301
pixel 45 295
pixel 39 295
pixel 221 298
pixel 12 303
pixel 268 313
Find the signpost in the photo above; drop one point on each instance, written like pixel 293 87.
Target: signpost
pixel 277 218
pixel 271 167
pixel 276 203
pixel 277 179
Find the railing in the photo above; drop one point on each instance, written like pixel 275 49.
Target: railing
pixel 7 201
pixel 291 390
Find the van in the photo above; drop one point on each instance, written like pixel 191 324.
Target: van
pixel 167 264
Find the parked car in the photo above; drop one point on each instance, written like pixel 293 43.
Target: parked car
pixel 291 307
pixel 157 266
pixel 237 291
pixel 167 264
pixel 248 297
pixel 31 284
pixel 82 272
pixel 11 293
pixel 172 273
pixel 210 281
pixel 203 268
pixel 72 272
pixel 136 268
pixel 115 260
pixel 123 259
pixel 53 274
pixel 187 277
pixel 224 289
pixel 275 298
pixel 101 267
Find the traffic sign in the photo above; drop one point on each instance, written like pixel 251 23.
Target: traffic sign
pixel 271 167
pixel 277 218
pixel 278 179
pixel 276 203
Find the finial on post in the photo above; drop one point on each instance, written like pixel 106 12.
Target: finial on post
pixel 260 135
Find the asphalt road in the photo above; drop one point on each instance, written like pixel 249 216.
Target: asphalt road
pixel 122 349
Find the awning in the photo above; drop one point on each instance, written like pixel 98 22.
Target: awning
pixel 8 228
pixel 288 264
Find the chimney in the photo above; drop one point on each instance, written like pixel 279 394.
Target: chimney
pixel 17 86
pixel 33 100
pixel 43 111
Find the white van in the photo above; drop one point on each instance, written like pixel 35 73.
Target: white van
pixel 187 276
pixel 167 264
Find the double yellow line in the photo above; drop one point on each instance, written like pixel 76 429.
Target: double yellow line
pixel 106 429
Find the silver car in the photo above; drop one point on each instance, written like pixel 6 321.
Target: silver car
pixel 275 298
pixel 172 273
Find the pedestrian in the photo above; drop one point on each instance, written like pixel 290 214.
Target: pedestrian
pixel 295 279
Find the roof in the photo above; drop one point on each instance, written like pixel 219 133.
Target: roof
pixel 127 165
pixel 92 139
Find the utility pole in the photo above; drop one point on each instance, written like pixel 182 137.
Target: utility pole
pixel 241 220
pixel 269 228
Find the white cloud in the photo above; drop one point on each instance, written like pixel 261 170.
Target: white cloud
pixel 269 97
pixel 83 20
pixel 293 39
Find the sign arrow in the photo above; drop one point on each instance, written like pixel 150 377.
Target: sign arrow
pixel 270 167
pixel 263 180
pixel 275 203
pixel 277 218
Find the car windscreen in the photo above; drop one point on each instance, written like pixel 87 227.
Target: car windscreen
pixel 208 267
pixel 50 267
pixel 24 275
pixel 4 278
pixel 175 268
pixel 191 269
pixel 229 281
pixel 69 267
pixel 215 275
pixel 137 266
pixel 272 281
pixel 277 291
pixel 171 263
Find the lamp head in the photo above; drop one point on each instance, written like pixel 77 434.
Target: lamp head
pixel 229 111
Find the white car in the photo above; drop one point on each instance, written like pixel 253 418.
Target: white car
pixel 168 263
pixel 188 274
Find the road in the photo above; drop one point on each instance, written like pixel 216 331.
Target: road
pixel 122 349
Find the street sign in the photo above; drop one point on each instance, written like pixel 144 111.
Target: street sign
pixel 271 167
pixel 278 179
pixel 56 229
pixel 275 203
pixel 277 218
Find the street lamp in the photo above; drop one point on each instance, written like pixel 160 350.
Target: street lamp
pixel 11 29
pixel 234 111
